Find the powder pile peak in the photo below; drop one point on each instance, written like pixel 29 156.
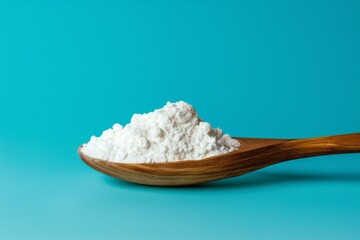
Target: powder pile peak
pixel 172 133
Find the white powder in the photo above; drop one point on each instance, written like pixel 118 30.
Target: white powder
pixel 169 134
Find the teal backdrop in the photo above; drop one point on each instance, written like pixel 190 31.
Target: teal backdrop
pixel 275 69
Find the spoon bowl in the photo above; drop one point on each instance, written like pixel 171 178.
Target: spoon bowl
pixel 253 154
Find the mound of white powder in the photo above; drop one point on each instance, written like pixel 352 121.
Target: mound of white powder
pixel 172 133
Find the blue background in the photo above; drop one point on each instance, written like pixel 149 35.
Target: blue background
pixel 279 69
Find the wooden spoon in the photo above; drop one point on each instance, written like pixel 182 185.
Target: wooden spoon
pixel 254 154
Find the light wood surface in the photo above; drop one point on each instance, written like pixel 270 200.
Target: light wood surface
pixel 254 154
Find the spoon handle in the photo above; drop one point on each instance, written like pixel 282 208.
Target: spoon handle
pixel 301 148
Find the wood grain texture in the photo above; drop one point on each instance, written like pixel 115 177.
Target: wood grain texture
pixel 254 154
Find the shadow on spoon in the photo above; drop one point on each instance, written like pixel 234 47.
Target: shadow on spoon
pixel 256 179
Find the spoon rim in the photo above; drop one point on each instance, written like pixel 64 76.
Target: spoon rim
pixel 181 162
